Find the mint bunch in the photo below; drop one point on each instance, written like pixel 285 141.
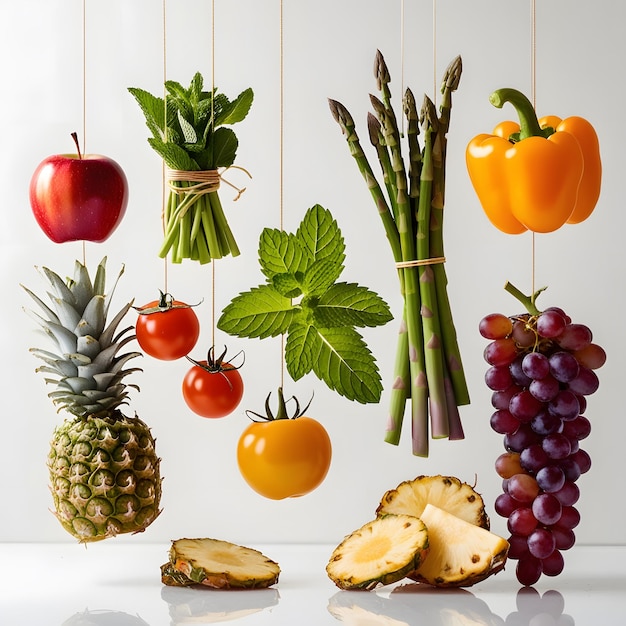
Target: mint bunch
pixel 189 129
pixel 303 299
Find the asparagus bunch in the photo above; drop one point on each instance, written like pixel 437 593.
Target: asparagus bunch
pixel 410 202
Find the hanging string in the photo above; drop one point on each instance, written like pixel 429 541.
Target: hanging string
pixel 281 159
pixel 533 97
pixel 435 52
pixel 84 27
pixel 402 56
pixel 213 290
pixel 163 186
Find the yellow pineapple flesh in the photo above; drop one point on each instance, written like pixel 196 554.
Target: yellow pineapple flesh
pixel 445 492
pixel 218 564
pixel 381 552
pixel 461 554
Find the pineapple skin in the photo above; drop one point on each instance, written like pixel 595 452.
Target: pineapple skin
pixel 446 492
pixel 104 472
pixel 104 476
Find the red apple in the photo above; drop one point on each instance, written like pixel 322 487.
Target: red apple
pixel 78 196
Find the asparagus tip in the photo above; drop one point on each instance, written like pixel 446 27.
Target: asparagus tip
pixel 452 75
pixel 381 71
pixel 428 114
pixel 410 108
pixel 340 113
pixel 374 129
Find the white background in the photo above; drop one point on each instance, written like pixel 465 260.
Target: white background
pixel 329 47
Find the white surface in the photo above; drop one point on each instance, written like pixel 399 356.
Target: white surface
pixel 47 584
pixel 329 52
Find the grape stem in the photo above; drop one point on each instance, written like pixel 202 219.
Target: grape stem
pixel 527 301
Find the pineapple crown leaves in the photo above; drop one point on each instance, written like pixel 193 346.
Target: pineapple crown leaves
pixel 303 299
pixel 188 125
pixel 84 363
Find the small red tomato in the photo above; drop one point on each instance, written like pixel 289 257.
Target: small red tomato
pixel 212 388
pixel 284 457
pixel 167 329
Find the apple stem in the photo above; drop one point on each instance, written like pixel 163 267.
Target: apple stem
pixel 75 138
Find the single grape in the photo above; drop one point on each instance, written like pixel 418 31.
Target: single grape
pixel 578 428
pixel 541 543
pixel 550 478
pixel 564 537
pixel 535 365
pixel 500 352
pixel 504 505
pixel 556 446
pixel 518 546
pixel 585 383
pixel 563 366
pixel 553 564
pixel 523 487
pixel 501 399
pixel 550 324
pixel 547 509
pixel 522 522
pixel 575 337
pixel 517 373
pixel 592 356
pixel 570 517
pixel 523 437
pixel 565 404
pixel 561 312
pixel 523 333
pixel 498 378
pixel 545 423
pixel 528 570
pixel 582 459
pixel 503 422
pixel 524 406
pixel 570 468
pixel 568 494
pixel 495 326
pixel 508 464
pixel 545 389
pixel 533 458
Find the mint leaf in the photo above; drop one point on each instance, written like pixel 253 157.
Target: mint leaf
pixel 175 156
pixel 153 109
pixel 320 234
pixel 189 132
pixel 344 362
pixel 261 312
pixel 349 304
pixel 222 147
pixel 281 253
pixel 237 110
pixel 287 285
pixel 300 346
pixel 319 276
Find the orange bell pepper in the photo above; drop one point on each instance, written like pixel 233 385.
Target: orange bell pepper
pixel 528 180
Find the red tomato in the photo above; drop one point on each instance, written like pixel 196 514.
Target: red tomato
pixel 168 333
pixel 284 458
pixel 212 390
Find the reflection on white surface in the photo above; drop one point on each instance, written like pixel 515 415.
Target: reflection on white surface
pixel 435 607
pixel 444 607
pixel 188 605
pixel 104 618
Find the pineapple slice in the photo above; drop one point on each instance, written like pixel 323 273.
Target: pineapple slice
pixel 461 554
pixel 381 552
pixel 218 564
pixel 446 492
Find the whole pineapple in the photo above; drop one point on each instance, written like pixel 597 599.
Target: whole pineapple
pixel 104 471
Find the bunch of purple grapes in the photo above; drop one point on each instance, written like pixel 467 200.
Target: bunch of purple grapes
pixel 541 370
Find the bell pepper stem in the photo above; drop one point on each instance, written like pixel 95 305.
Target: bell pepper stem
pixel 528 122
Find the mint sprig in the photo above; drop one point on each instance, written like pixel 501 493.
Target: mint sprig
pixel 303 299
